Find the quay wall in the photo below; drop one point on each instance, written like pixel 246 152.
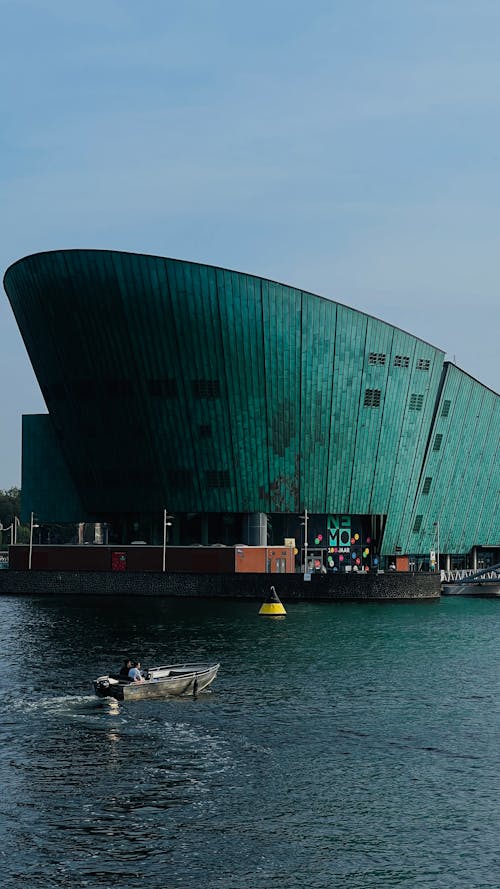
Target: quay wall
pixel 289 587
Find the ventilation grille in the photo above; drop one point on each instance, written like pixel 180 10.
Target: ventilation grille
pixel 427 485
pixel 372 398
pixel 418 524
pixel 437 442
pixel 416 402
pixel 217 478
pixel 206 388
pixel 376 358
pixel 401 361
pixel 423 364
pixel 446 408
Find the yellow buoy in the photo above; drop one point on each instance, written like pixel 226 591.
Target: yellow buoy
pixel 272 605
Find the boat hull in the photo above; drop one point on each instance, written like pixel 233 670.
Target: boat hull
pixel 485 590
pixel 162 682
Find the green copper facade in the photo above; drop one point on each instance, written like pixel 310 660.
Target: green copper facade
pixel 214 392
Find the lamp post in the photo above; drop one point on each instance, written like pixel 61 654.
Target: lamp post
pixel 436 525
pixel 304 523
pixel 33 525
pixel 167 523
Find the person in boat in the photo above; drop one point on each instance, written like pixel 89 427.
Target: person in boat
pixel 135 672
pixel 124 670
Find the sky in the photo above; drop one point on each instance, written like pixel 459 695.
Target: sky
pixel 347 147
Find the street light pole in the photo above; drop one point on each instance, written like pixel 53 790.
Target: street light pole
pixel 306 571
pixel 436 525
pixel 32 525
pixel 167 523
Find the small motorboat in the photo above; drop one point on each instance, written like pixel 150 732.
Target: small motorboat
pixel 159 682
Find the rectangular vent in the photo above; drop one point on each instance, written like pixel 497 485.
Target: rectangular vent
pixel 206 388
pixel 427 485
pixel 418 524
pixel 205 431
pixel 180 478
pixel 437 442
pixel 372 398
pixel 401 361
pixel 423 364
pixel 163 388
pixel 416 402
pixel 446 408
pixel 217 478
pixel 376 358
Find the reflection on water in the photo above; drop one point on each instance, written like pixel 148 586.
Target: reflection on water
pixel 349 745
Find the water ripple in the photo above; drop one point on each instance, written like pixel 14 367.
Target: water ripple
pixel 342 746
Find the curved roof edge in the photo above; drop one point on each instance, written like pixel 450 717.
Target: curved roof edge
pixel 154 256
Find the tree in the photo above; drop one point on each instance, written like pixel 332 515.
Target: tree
pixel 10 506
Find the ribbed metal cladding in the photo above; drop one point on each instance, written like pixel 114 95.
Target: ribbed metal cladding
pixel 170 382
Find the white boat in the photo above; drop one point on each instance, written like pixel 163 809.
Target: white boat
pixel 159 682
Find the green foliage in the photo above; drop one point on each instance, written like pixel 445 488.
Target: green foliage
pixel 10 505
pixel 10 508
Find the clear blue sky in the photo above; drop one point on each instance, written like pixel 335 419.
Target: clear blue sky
pixel 351 148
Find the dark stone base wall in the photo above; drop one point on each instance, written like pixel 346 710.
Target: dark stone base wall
pixel 289 587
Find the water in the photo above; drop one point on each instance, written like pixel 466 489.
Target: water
pixel 344 745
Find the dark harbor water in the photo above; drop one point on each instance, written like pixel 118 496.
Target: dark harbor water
pixel 344 745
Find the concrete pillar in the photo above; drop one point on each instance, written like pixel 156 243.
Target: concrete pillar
pixel 474 558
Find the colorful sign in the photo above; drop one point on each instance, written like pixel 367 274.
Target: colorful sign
pixel 339 530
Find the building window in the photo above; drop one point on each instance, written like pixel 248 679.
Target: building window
pixel 205 431
pixel 416 402
pixel 372 398
pixel 401 361
pixel 163 388
pixel 217 478
pixel 206 388
pixel 437 442
pixel 427 485
pixel 418 524
pixel 446 408
pixel 376 358
pixel 423 364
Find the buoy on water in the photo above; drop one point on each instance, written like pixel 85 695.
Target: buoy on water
pixel 272 605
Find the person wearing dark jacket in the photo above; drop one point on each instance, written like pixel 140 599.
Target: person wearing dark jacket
pixel 126 667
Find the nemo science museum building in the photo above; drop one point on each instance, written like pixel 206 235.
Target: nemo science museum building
pixel 241 406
